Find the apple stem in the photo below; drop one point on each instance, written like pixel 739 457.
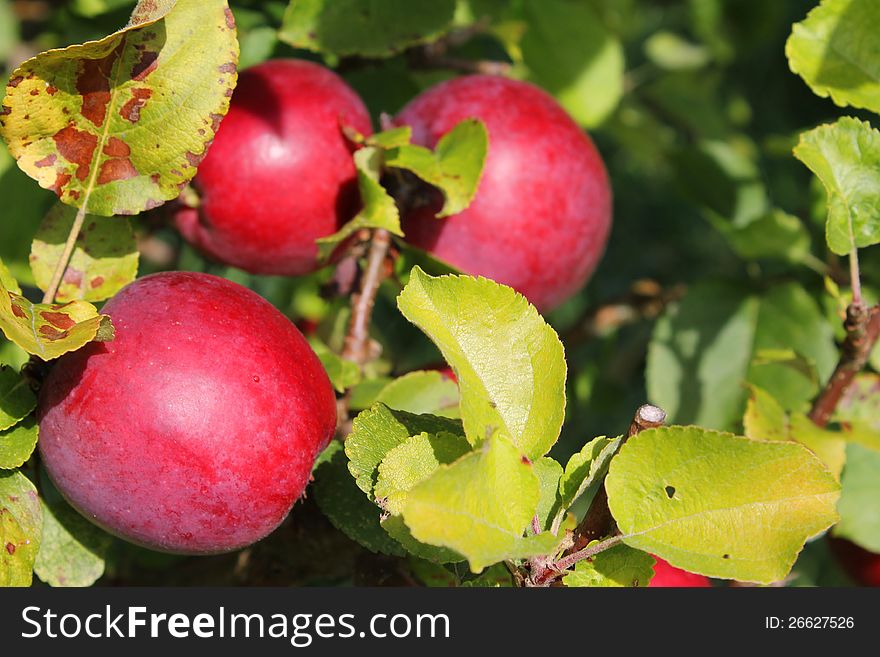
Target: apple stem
pixel 64 260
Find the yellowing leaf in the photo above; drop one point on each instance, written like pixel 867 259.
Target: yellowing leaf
pixel 718 504
pixel 20 529
pixel 618 566
pixel 18 443
pixel 51 330
pixel 104 260
pixel 509 363
pixel 121 124
pixel 16 397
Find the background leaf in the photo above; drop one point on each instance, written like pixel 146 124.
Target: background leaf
pixel 422 392
pixel 121 124
pixel 860 490
pixel 509 363
pixel 718 504
pixel 834 51
pixel 364 27
pixel 704 349
pixel 20 529
pixel 104 261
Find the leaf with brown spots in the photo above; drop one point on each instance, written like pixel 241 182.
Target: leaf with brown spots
pixel 118 126
pixel 104 260
pixel 21 522
pixel 51 330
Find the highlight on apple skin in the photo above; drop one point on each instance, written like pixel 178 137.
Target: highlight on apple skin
pixel 280 173
pixel 195 430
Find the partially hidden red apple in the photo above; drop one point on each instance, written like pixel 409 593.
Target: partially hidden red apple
pixel 279 174
pixel 195 430
pixel 542 213
pixel 668 576
pixel 860 564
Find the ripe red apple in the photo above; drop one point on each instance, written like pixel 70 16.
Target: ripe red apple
pixel 279 174
pixel 195 430
pixel 541 216
pixel 860 564
pixel 667 576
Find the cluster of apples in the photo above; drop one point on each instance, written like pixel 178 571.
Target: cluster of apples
pixel 196 429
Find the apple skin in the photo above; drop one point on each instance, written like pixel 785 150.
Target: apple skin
pixel 860 564
pixel 279 174
pixel 668 576
pixel 541 216
pixel 194 431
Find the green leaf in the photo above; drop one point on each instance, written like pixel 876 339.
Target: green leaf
pixel 846 157
pixel 431 574
pixel 618 566
pixel 584 472
pixel 120 125
pixel 776 234
pixel 422 392
pixel 327 454
pixel 549 473
pixel 509 363
pixel 393 138
pixel 673 53
pixel 379 209
pixel 765 419
pixel 568 51
pixel 104 260
pixel 51 330
pixel 343 373
pixel 455 167
pixel 18 443
pixel 398 530
pixel 480 506
pixel 350 512
pixel 73 550
pixel 858 508
pixel 493 577
pixel 411 463
pixel 92 8
pixel 835 52
pixel 16 397
pixel 829 446
pixel 718 504
pixel 373 28
pixel 380 429
pixel 20 529
pixel 704 349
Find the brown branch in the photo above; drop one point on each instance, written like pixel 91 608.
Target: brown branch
pixel 358 344
pixel 645 300
pixel 598 521
pixel 862 332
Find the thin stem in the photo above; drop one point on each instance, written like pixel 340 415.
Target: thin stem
pixel 855 278
pixel 568 561
pixel 357 342
pixel 69 246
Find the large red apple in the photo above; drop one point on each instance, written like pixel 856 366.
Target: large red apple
pixel 668 576
pixel 195 430
pixel 542 213
pixel 279 174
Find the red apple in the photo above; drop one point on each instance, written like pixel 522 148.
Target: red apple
pixel 279 174
pixel 667 576
pixel 542 213
pixel 860 564
pixel 195 430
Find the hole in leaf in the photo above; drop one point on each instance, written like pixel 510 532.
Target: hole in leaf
pixel 670 491
pixel 725 556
